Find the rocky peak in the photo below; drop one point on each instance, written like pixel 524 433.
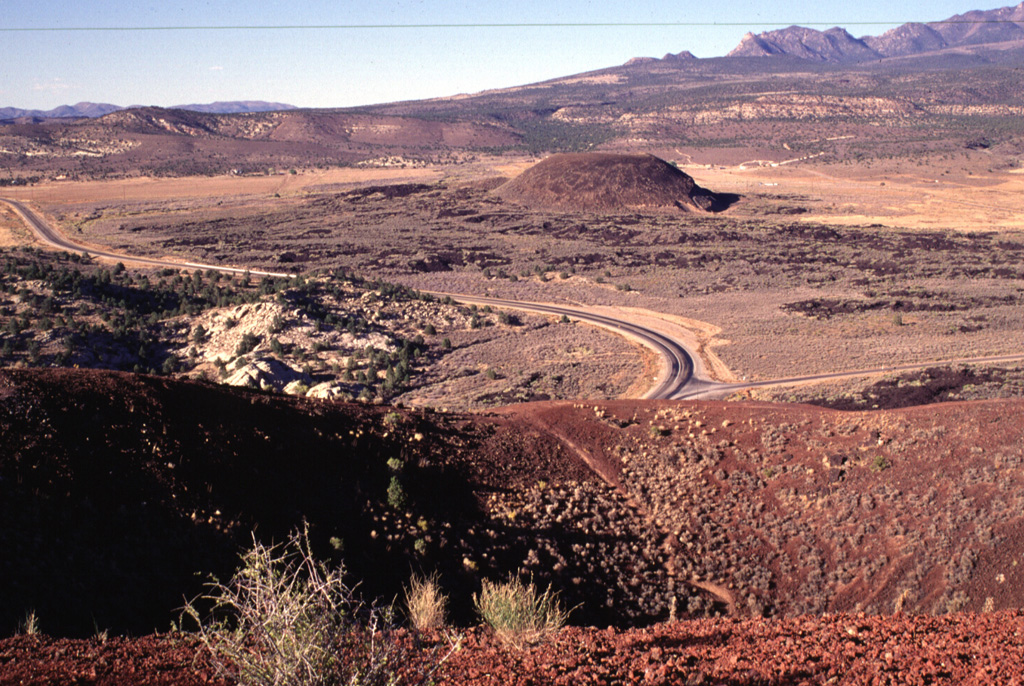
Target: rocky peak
pixel 834 45
pixel 908 39
pixel 684 56
pixel 983 26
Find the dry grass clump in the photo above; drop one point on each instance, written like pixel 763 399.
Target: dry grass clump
pixel 425 603
pixel 29 626
pixel 519 613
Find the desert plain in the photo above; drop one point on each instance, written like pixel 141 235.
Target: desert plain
pixel 839 247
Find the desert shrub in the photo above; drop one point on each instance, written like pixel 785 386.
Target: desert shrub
pixel 169 365
pixel 286 619
pixel 397 500
pixel 518 612
pixel 247 344
pixel 425 603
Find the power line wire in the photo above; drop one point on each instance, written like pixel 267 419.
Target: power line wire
pixel 307 27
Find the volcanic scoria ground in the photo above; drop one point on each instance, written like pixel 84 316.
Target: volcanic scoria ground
pixel 834 649
pixel 792 543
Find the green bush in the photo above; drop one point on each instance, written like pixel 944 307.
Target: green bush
pixel 518 613
pixel 397 499
pixel 247 344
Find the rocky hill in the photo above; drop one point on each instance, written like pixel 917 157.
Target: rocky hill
pixel 931 89
pixel 602 181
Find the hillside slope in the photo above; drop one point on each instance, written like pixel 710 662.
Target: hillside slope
pixel 117 489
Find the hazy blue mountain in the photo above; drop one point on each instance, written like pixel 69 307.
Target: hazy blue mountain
pixel 92 110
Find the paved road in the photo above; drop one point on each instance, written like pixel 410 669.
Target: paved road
pixel 715 389
pixel 676 381
pixel 47 234
pixel 677 370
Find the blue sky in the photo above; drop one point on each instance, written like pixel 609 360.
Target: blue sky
pixel 337 67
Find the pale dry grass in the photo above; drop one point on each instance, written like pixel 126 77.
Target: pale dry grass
pixel 154 189
pixel 927 199
pixel 12 229
pixel 541 357
pixel 425 603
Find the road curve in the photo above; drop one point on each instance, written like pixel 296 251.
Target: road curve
pixel 677 368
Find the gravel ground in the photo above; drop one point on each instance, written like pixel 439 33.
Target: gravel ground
pixel 835 649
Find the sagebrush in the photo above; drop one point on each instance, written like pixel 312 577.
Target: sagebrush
pixel 287 619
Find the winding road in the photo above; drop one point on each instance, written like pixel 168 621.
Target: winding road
pixel 677 373
pixel 682 375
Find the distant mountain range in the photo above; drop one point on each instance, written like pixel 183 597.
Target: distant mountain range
pixel 836 45
pixel 967 32
pixel 92 110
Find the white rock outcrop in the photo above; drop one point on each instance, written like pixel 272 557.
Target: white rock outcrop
pixel 267 374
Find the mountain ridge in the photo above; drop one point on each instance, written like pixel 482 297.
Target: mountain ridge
pixel 93 110
pixel 837 46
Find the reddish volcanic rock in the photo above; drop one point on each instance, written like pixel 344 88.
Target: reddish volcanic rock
pixel 835 649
